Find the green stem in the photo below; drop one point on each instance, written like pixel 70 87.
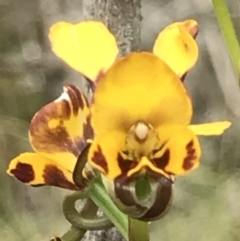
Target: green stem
pixel 138 230
pixel 98 194
pixel 228 31
pixel 79 221
pixel 74 234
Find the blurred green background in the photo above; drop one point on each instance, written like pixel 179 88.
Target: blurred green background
pixel 206 203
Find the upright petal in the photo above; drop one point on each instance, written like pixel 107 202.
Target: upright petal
pixel 210 129
pixel 176 46
pixel 37 170
pixel 59 131
pixel 88 47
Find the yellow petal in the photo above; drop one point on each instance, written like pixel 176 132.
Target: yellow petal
pixel 103 154
pixel 178 156
pixel 210 129
pixel 191 26
pixel 88 47
pixel 184 153
pixel 37 170
pixel 60 130
pixel 138 87
pixel 176 46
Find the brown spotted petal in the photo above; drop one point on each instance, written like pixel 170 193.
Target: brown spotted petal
pixel 151 207
pixel 37 170
pixel 179 156
pixel 60 129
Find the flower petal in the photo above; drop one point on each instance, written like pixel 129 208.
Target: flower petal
pixel 210 129
pixel 138 87
pixel 176 46
pixel 178 156
pixel 59 131
pixel 103 154
pixel 184 150
pixel 37 170
pixel 88 47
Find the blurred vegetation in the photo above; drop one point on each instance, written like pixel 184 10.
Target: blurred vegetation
pixel 206 203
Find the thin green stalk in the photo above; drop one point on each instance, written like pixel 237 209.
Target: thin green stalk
pixel 74 234
pixel 89 211
pixel 79 220
pixel 228 31
pixel 98 194
pixel 138 230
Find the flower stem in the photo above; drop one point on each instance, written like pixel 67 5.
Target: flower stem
pixel 228 31
pixel 74 234
pixel 78 220
pixel 98 194
pixel 138 230
pixel 89 211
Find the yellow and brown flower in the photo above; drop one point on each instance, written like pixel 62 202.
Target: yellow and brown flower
pixel 140 112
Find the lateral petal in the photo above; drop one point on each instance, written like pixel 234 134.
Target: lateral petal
pixel 37 170
pixel 210 129
pixel 60 130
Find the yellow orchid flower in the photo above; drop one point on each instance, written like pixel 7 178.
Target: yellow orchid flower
pixel 141 118
pixel 140 115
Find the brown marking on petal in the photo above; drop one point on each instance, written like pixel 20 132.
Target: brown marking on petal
pixel 66 110
pixel 74 99
pixel 99 159
pixel 55 177
pixel 78 95
pixel 53 139
pixel 183 77
pixel 192 28
pixel 193 31
pixel 23 172
pixel 125 164
pixel 188 161
pixel 88 130
pixel 162 162
pixel 186 46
